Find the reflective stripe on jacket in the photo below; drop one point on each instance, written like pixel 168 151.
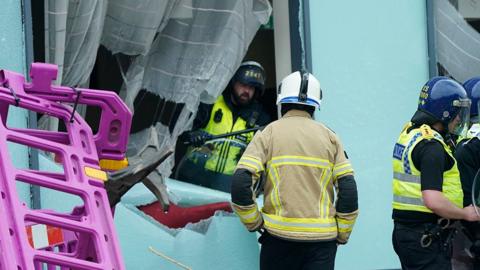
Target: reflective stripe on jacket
pixel 407 194
pixel 227 152
pixel 302 160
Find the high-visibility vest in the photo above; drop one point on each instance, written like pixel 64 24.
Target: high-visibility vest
pixel 227 152
pixel 407 194
pixel 473 132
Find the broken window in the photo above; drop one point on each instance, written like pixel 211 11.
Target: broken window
pixel 162 57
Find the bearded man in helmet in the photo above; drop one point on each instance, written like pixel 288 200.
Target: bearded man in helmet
pixel 209 162
pixel 306 168
pixel 427 192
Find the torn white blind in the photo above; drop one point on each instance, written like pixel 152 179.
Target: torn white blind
pixel 457 43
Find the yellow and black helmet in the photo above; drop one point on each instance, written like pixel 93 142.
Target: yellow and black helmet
pixel 251 73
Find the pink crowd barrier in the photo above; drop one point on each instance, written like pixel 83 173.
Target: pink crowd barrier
pixel 84 238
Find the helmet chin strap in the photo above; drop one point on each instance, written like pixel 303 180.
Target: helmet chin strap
pixel 441 127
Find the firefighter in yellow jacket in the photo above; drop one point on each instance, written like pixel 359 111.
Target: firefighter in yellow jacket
pixel 305 168
pixel 427 192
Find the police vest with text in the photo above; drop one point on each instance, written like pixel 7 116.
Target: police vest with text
pixel 407 193
pixel 226 152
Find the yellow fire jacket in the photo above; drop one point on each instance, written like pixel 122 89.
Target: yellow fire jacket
pixel 302 160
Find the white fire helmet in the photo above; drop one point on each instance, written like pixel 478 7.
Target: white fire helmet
pixel 300 87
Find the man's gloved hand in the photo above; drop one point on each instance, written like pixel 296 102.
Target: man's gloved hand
pixel 341 242
pixel 197 137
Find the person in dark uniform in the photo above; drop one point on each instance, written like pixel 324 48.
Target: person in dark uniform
pixel 427 193
pixel 209 162
pixel 468 157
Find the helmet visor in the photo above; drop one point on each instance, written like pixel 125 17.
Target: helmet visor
pixel 460 123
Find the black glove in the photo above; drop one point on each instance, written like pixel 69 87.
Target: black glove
pixel 197 137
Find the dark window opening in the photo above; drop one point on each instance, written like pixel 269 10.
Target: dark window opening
pixel 150 108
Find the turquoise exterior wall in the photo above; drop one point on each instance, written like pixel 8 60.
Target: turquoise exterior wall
pixel 371 60
pixel 12 57
pixel 221 242
pixel 12 46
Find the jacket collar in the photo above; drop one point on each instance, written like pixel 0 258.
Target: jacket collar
pixel 294 112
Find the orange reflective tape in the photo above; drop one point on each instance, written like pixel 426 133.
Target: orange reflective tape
pixel 41 236
pixel 29 235
pixel 95 173
pixel 55 235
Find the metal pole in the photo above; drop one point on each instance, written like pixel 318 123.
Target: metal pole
pixel 32 116
pixel 295 39
pixel 306 35
pixel 432 49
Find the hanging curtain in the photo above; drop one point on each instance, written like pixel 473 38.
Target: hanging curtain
pixel 183 51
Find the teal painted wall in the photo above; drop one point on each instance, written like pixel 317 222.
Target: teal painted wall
pixel 371 60
pixel 12 46
pixel 12 57
pixel 212 244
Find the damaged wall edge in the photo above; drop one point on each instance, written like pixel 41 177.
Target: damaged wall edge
pixel 295 35
pixel 300 43
pixel 432 56
pixel 306 34
pixel 32 116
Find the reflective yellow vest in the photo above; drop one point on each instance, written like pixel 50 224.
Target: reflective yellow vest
pixel 473 131
pixel 228 152
pixel 407 194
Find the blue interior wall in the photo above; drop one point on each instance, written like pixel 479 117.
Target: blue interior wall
pixel 12 57
pixel 371 60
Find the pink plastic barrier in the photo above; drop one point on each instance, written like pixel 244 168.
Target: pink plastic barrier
pixel 45 239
